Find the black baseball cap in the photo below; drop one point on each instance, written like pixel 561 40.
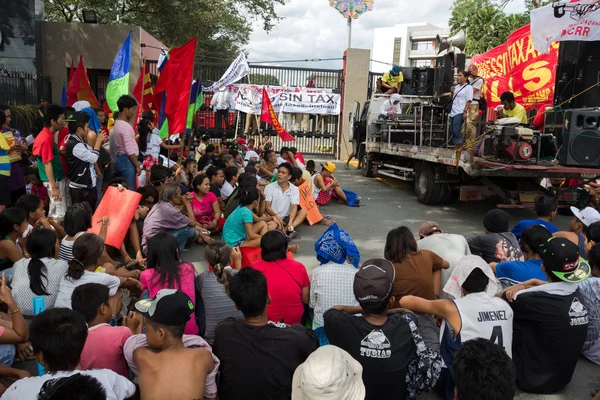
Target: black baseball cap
pixel 169 307
pixel 562 258
pixel 374 281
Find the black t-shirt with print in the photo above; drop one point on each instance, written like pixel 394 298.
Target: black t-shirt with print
pixel 258 362
pixel 383 351
pixel 496 247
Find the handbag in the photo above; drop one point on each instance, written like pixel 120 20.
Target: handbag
pixel 308 315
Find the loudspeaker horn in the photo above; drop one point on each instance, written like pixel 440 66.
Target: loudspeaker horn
pixel 459 40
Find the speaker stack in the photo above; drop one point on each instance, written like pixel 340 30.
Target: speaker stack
pixel 578 69
pixel 581 138
pixel 423 81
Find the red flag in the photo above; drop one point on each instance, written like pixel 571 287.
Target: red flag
pixel 176 79
pixel 72 71
pixel 143 92
pixel 138 92
pixel 268 115
pixel 79 87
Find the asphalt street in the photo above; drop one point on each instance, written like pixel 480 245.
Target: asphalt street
pixel 389 204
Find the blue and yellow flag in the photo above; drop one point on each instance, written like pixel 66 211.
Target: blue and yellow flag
pixel 118 83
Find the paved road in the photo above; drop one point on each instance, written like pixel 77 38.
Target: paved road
pixel 389 204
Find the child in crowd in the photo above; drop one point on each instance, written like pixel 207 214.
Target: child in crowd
pixel 185 174
pixel 104 344
pixel 241 229
pixel 35 185
pixel 167 271
pixel 12 226
pixel 36 215
pixel 166 365
pixel 58 337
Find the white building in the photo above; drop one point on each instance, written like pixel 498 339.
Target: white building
pixel 406 45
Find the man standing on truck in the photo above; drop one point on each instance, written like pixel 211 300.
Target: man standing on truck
pixel 461 101
pixel 391 82
pixel 476 83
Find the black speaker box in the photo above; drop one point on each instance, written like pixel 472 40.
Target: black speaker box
pixel 444 72
pixel 578 69
pixel 423 81
pixel 581 139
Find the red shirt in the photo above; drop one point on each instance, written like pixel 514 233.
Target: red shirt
pixel 285 279
pixel 104 348
pixel 62 135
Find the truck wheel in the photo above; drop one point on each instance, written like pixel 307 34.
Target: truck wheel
pixel 367 166
pixel 426 190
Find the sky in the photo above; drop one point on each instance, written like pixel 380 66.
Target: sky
pixel 313 29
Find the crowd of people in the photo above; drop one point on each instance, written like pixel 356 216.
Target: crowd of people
pixel 473 318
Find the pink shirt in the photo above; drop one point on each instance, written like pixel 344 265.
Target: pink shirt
pixel 187 274
pixel 203 210
pixel 104 348
pixel 125 138
pixel 285 290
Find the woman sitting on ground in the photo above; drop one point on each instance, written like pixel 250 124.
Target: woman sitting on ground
pixel 231 176
pixel 266 169
pixel 166 270
pixel 39 275
pixel 205 205
pixel 243 228
pixel 85 268
pixel 287 280
pixel 212 288
pixel 13 224
pixel 36 215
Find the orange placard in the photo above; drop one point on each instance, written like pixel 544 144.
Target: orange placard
pixel 119 207
pixel 307 203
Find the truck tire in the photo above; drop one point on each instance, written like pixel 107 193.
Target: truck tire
pixel 367 166
pixel 426 190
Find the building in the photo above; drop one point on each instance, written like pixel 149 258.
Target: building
pixel 406 45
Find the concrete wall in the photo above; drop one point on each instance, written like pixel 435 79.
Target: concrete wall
pixel 356 82
pixel 97 43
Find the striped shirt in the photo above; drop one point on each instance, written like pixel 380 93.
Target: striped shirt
pixel 4 157
pixel 65 252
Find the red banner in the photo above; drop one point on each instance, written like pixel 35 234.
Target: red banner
pixel 516 67
pixel 268 115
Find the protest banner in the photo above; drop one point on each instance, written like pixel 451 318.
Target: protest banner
pixel 302 102
pixel 238 69
pixel 517 67
pixel 307 203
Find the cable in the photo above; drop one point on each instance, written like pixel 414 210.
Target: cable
pixel 381 62
pixel 305 60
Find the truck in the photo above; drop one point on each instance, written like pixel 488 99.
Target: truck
pixel 511 163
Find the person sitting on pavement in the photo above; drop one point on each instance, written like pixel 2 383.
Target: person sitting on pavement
pixel 230 183
pixel 590 292
pixel 497 244
pixel 258 357
pixel 533 244
pixel 510 109
pixel 391 81
pixel 75 387
pixel 216 176
pixel 268 167
pixel 205 205
pixel 326 186
pixel 168 363
pixel 450 246
pixel 243 228
pixel 300 177
pixel 546 208
pixel 207 159
pixel 578 227
pixel 385 341
pixel 58 336
pixel 391 107
pixel 282 200
pixel 332 280
pixel 482 370
pixel 475 312
pixel 550 320
pixel 329 373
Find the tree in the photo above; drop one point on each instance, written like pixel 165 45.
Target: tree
pixel 222 26
pixel 264 79
pixel 485 23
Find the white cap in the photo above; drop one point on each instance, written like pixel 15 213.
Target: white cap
pixel 329 373
pixel 588 215
pixel 461 272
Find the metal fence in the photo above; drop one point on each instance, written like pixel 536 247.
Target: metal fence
pixel 20 88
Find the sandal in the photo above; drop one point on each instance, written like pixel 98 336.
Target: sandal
pixel 131 265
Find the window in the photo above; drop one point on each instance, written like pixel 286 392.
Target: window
pixel 414 46
pixel 427 45
pixel 420 63
pixel 397 46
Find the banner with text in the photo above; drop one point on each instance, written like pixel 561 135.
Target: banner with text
pixel 249 100
pixel 517 67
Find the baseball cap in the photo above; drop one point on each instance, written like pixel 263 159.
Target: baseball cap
pixel 329 166
pixel 395 70
pixel 168 307
pixel 373 281
pixel 588 215
pixel 562 258
pixel 241 141
pixel 329 373
pixel 429 227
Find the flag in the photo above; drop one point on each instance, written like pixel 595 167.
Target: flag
pixel 79 87
pixel 196 100
pixel 268 115
pixel 63 97
pixel 72 71
pixel 143 92
pixel 176 80
pixel 118 82
pixel 110 121
pixel 238 69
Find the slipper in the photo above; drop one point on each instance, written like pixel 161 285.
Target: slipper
pixel 132 265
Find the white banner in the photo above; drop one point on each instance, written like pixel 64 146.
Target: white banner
pixel 309 101
pixel 565 20
pixel 237 70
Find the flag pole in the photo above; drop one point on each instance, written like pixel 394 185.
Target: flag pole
pixel 254 105
pixel 237 123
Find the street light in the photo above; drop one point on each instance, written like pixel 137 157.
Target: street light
pixel 90 17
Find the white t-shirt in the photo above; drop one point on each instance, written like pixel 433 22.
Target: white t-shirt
pixel 387 108
pixel 280 160
pixel 476 83
pixel 461 95
pixel 67 286
pixel 226 190
pixel 117 387
pixel 281 202
pixel 153 145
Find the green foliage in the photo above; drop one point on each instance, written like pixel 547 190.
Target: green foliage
pixel 485 24
pixel 223 27
pixel 23 117
pixel 264 79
